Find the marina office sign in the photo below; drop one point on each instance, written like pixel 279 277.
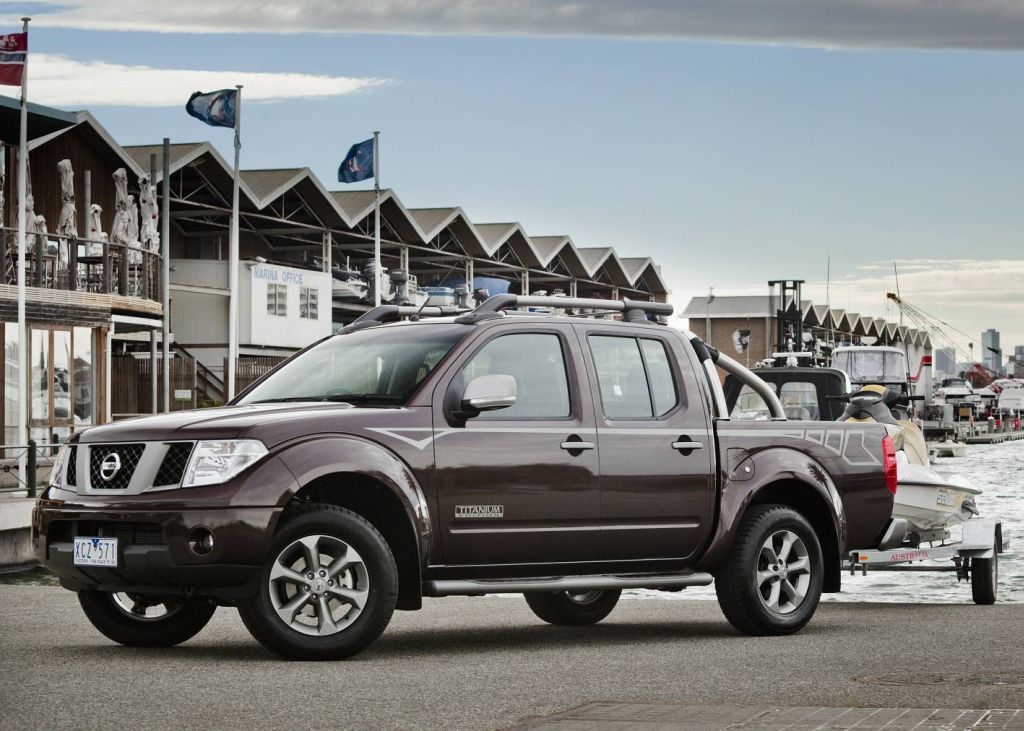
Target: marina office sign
pixel 278 275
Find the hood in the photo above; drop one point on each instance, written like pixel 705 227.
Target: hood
pixel 272 423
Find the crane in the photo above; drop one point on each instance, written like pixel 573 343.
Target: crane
pixel 976 373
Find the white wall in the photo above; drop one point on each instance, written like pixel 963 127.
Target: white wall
pixel 199 313
pixel 258 327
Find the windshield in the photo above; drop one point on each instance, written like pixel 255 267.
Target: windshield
pixel 872 366
pixel 374 366
pixel 954 382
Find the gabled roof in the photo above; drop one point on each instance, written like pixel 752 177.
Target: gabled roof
pixel 605 258
pixel 86 122
pixel 644 270
pixel 495 234
pixel 194 154
pixel 547 246
pixel 432 221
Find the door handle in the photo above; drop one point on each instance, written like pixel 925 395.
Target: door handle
pixel 687 446
pixel 571 446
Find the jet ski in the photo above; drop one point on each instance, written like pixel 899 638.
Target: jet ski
pixel 930 503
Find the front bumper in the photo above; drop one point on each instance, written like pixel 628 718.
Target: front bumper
pixel 154 553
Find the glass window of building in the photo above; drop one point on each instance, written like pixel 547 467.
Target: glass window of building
pixel 309 303
pixel 277 300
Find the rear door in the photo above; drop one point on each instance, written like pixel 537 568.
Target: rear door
pixel 656 444
pixel 511 489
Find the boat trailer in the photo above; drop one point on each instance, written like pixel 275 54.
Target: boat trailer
pixel 974 558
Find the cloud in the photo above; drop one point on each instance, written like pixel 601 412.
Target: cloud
pixel 969 295
pixel 63 81
pixel 973 24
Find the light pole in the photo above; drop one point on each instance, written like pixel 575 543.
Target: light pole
pixel 707 324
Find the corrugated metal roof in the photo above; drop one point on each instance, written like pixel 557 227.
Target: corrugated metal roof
pixel 547 246
pixel 179 151
pixel 432 220
pixel 356 203
pixel 495 234
pixel 729 306
pixel 264 183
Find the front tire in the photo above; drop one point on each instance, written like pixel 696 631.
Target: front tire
pixel 573 608
pixel 328 588
pixel 772 580
pixel 140 621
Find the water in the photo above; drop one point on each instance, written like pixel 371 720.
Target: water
pixel 998 469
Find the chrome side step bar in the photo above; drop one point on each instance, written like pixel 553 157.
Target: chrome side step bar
pixel 457 587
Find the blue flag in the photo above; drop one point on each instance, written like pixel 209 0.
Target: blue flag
pixel 216 108
pixel 358 163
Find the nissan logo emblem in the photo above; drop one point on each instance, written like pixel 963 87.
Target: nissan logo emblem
pixel 110 466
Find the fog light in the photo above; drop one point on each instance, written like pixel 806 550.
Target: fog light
pixel 200 541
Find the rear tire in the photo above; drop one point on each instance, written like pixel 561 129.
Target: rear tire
pixel 985 579
pixel 772 580
pixel 573 608
pixel 328 588
pixel 139 621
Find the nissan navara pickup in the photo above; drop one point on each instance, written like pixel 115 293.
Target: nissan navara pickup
pixel 433 452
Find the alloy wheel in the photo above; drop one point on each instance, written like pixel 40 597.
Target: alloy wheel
pixel 318 585
pixel 783 572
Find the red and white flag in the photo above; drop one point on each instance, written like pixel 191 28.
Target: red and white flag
pixel 13 50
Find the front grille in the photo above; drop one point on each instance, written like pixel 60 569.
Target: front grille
pixel 172 469
pixel 72 474
pixel 128 533
pixel 127 454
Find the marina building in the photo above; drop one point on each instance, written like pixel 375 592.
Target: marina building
pixel 747 328
pixel 94 294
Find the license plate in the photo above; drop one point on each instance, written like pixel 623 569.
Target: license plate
pixel 95 552
pixel 945 497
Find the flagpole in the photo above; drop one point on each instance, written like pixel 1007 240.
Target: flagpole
pixel 376 218
pixel 233 258
pixel 23 377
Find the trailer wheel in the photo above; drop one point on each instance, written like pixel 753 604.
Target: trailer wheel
pixel 985 579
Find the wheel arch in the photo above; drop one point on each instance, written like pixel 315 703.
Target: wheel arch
pixel 369 480
pixel 811 504
pixel 785 477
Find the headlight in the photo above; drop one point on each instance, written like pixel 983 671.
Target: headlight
pixel 214 462
pixel 57 476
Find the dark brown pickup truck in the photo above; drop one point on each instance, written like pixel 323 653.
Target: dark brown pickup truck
pixel 493 450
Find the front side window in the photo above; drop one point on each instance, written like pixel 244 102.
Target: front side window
pixel 308 303
pixel 537 363
pixel 373 366
pixel 277 300
pixel 634 377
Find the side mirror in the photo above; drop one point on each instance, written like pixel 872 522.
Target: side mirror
pixel 487 393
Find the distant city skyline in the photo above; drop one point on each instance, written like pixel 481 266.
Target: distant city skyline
pixel 808 140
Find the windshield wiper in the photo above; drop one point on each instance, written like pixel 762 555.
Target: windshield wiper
pixel 355 398
pixel 365 398
pixel 285 399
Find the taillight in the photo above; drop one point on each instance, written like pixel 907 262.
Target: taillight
pixel 889 462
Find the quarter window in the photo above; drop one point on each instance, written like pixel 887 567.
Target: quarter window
pixel 308 303
pixel 537 363
pixel 277 300
pixel 633 376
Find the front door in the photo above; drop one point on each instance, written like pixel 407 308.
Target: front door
pixel 511 487
pixel 657 474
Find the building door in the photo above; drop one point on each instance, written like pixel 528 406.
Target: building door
pixel 511 489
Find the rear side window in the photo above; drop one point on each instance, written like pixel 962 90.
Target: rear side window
pixel 800 400
pixel 633 376
pixel 536 361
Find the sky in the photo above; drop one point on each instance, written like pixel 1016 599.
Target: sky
pixel 734 141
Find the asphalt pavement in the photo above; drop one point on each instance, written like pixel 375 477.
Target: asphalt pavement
pixel 488 663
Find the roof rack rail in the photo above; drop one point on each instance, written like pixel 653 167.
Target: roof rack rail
pixel 389 313
pixel 632 310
